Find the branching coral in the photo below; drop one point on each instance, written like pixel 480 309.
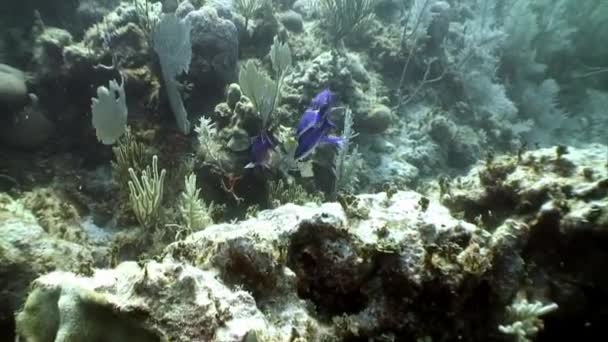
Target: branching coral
pixel 194 212
pixel 128 154
pixel 525 319
pixel 146 194
pixel 209 146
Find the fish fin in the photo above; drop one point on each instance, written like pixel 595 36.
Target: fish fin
pixel 331 123
pixel 308 121
pixel 333 140
pixel 250 165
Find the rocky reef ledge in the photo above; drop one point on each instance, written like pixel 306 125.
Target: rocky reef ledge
pixel 455 264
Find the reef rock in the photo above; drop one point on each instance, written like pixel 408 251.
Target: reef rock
pixel 561 194
pixel 48 51
pixel 26 252
pixel 375 121
pixel 344 75
pixel 567 182
pixel 375 264
pixel 214 48
pixel 13 90
pixel 292 21
pixel 28 128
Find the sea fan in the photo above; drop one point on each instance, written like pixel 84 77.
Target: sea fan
pixel 110 112
pixel 172 44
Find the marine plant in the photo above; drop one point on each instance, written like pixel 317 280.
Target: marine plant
pixel 259 88
pixel 280 57
pixel 194 212
pixel 209 146
pixel 147 13
pixel 128 154
pixel 347 162
pixel 343 17
pixel 263 91
pixel 247 8
pixel 146 194
pixel 416 23
pixel 265 94
pixel 281 193
pixel 171 40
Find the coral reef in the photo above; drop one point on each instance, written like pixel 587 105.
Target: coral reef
pixel 560 194
pixel 390 264
pixel 343 74
pixel 322 170
pixel 362 272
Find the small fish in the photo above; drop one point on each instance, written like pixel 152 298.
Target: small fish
pixel 323 101
pixel 308 120
pixel 313 137
pixel 261 146
pixel 317 112
pixel 314 125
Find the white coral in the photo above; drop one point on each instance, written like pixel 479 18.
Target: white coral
pixel 209 145
pixel 110 112
pixel 525 321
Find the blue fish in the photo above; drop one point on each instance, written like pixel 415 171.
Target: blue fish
pixel 261 146
pixel 317 112
pixel 309 140
pixel 314 125
pixel 323 101
pixel 308 120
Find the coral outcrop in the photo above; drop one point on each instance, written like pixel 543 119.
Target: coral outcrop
pixel 363 277
pixel 397 264
pixel 214 49
pixel 561 194
pixel 27 250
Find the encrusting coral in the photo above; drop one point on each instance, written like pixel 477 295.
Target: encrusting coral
pixel 146 194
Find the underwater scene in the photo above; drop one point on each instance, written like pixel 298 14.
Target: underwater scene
pixel 303 170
